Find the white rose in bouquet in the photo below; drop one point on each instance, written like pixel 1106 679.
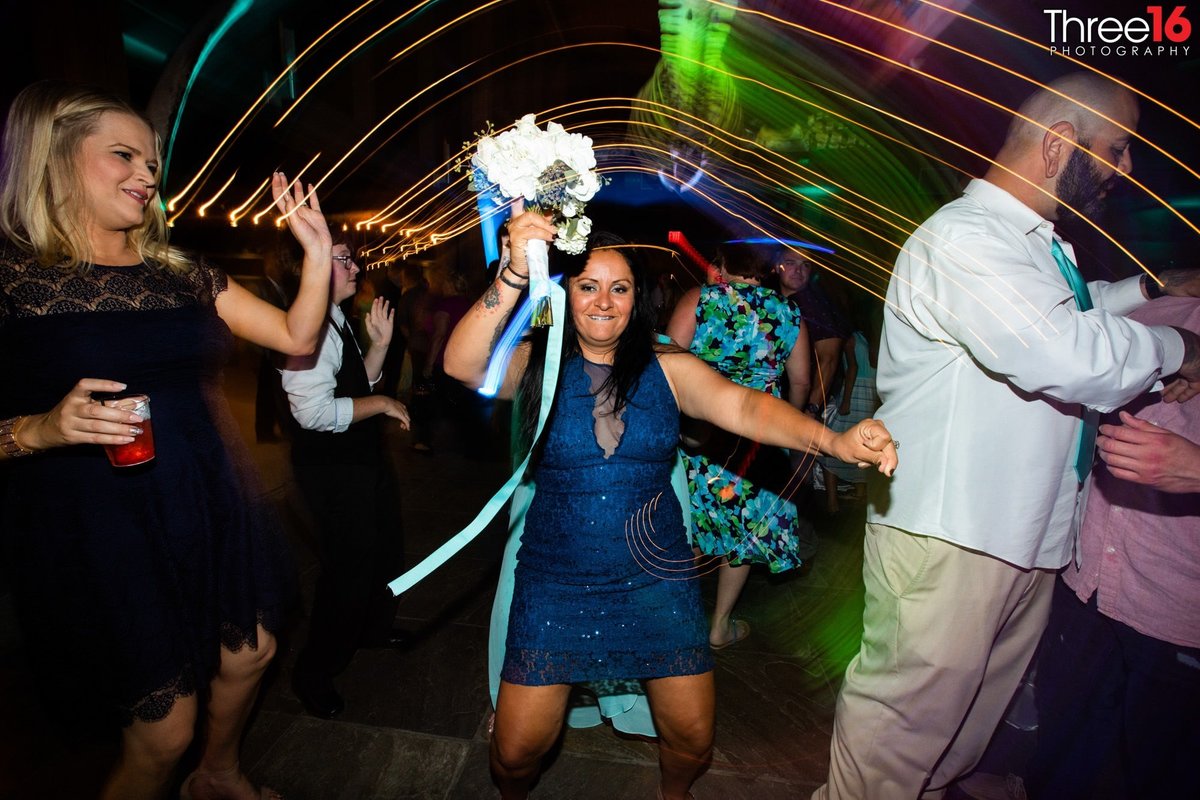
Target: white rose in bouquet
pixel 572 235
pixel 555 171
pixel 584 187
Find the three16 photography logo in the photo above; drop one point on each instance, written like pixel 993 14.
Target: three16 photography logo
pixel 1159 31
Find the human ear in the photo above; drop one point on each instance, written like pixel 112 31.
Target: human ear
pixel 1056 147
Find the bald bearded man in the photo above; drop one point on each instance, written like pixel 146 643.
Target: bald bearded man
pixel 994 357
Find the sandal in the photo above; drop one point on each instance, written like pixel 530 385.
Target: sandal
pixel 739 629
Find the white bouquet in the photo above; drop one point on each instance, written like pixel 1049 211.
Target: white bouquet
pixel 554 171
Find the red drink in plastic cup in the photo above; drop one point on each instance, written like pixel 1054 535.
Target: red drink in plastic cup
pixel 141 449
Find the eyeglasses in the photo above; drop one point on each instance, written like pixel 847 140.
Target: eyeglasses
pixel 344 261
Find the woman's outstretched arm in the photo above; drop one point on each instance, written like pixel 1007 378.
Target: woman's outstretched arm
pixel 704 394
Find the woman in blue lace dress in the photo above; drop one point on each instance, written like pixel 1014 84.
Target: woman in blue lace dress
pixel 740 490
pixel 139 587
pixel 605 586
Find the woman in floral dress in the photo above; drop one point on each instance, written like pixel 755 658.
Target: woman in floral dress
pixel 740 490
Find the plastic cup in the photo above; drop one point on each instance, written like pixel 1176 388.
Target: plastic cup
pixel 141 449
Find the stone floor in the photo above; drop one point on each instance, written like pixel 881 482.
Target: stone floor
pixel 415 720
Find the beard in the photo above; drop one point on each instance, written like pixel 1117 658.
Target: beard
pixel 1081 190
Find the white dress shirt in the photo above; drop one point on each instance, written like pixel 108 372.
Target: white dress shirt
pixel 984 362
pixel 310 382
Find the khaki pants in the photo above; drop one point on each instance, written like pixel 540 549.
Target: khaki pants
pixel 948 633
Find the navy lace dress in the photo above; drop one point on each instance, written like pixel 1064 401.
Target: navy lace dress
pixel 605 584
pixel 128 580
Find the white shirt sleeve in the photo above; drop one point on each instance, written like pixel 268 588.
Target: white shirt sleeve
pixel 310 382
pixel 1018 319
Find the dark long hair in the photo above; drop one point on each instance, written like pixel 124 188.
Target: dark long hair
pixel 635 347
pixel 744 260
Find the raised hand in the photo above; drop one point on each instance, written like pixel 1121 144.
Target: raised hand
pixel 523 226
pixel 380 322
pixel 79 419
pixel 303 215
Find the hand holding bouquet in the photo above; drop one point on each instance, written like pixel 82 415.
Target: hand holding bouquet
pixel 555 172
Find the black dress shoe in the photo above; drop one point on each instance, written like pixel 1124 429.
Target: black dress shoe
pixel 318 696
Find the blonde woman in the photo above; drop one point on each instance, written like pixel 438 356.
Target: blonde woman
pixel 138 588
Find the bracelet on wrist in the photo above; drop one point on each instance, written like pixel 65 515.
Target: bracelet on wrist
pixel 520 287
pixel 509 267
pixel 1151 287
pixel 8 440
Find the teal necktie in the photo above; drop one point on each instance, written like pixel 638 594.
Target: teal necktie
pixel 1086 450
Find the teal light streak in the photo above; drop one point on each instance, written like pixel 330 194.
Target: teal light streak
pixel 136 47
pixel 238 10
pixel 498 365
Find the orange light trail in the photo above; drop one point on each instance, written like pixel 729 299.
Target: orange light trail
pixel 237 212
pixel 271 201
pixel 362 44
pixel 220 191
pixel 943 138
pixel 258 102
pixel 846 247
pixel 1068 57
pixel 381 123
pixel 1021 76
pixel 965 91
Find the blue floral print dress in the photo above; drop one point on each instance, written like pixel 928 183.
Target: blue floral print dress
pixel 740 490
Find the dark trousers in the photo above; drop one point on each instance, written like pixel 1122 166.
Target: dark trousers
pixel 1108 695
pixel 393 364
pixel 422 410
pixel 356 509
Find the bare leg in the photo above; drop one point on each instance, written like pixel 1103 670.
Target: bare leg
pixel 831 492
pixel 234 688
pixel 827 353
pixel 528 722
pixel 149 753
pixel 683 708
pixel 730 582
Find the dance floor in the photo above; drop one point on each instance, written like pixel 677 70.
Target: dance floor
pixel 415 724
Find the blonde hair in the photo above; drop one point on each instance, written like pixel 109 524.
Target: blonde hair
pixel 40 188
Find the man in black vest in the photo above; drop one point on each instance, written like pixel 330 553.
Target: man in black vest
pixel 341 471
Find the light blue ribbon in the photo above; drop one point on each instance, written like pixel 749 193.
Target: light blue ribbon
pixel 549 385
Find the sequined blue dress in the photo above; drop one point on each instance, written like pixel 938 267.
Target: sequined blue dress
pixel 605 584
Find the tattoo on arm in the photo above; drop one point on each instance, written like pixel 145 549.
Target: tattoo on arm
pixel 491 298
pixel 1176 281
pixel 500 325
